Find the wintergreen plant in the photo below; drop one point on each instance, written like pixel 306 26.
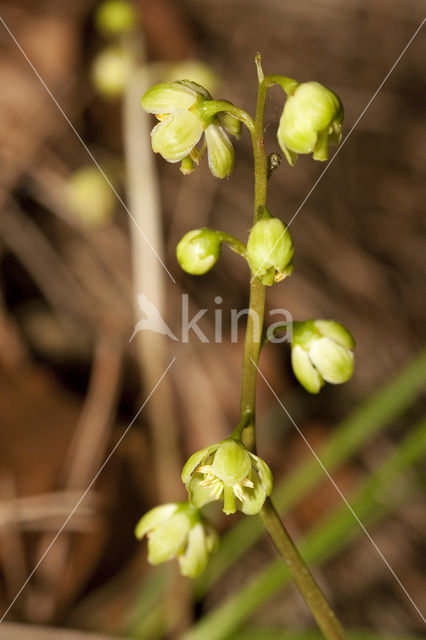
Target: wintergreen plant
pixel 191 121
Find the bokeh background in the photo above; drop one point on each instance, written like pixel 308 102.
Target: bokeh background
pixel 71 383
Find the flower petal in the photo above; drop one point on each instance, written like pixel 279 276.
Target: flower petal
pixel 231 463
pixel 199 494
pixel 168 539
pixel 254 498
pixel 154 518
pixel 334 362
pixel 265 474
pixel 193 561
pixel 212 539
pixel 196 459
pixel 168 97
pixel 220 151
pixel 336 331
pixel 304 370
pixel 175 137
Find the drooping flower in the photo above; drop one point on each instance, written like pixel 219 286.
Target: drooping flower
pixel 321 351
pixel 178 106
pixel 228 470
pixel 270 251
pixel 178 530
pixel 311 119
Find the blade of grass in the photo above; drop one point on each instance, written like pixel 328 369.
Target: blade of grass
pixel 372 416
pixel 371 502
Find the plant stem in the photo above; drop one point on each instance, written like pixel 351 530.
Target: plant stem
pixel 309 589
pixel 253 340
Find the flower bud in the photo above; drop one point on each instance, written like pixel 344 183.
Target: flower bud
pixel 114 17
pixel 198 251
pixel 111 71
pixel 228 470
pixel 321 352
pixel 178 530
pixel 270 251
pixel 89 197
pixel 312 117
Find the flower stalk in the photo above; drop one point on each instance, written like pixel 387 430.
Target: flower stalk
pixel 301 574
pixel 230 471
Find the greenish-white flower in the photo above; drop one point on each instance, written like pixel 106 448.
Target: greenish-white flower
pixel 89 197
pixel 111 70
pixel 311 119
pixel 178 530
pixel 321 351
pixel 199 250
pixel 228 471
pixel 178 106
pixel 114 17
pixel 270 251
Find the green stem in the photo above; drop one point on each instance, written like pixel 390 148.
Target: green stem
pixel 211 107
pixel 314 597
pixel 233 243
pixel 309 589
pixel 253 340
pixel 287 84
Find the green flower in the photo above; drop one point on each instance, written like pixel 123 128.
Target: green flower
pixel 270 251
pixel 114 17
pixel 111 70
pixel 198 251
pixel 321 352
pixel 178 530
pixel 312 118
pixel 228 470
pixel 89 197
pixel 178 106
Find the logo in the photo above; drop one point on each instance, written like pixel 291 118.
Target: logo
pixel 278 331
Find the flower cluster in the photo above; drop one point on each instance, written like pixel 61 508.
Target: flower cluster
pixel 190 121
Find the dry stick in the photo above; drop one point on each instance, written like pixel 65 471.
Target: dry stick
pixel 13 631
pixel 84 458
pixel 47 511
pixel 149 280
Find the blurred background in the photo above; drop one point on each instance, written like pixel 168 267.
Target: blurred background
pixel 80 190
